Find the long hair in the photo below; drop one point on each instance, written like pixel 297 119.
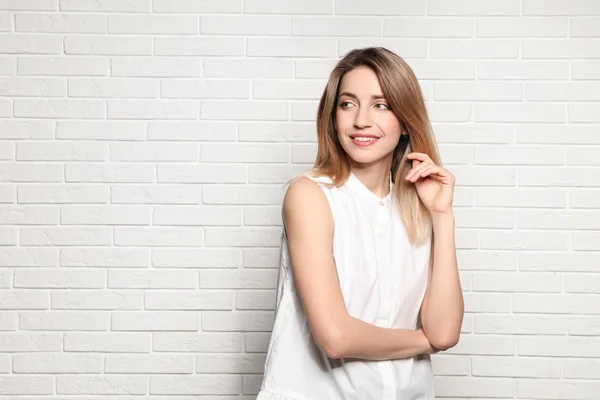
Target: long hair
pixel 403 93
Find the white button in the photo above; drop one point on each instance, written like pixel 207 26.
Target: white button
pixel 381 203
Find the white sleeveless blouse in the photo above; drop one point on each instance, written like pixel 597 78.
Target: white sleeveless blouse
pixel 383 280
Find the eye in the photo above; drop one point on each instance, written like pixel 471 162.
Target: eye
pixel 385 106
pixel 344 103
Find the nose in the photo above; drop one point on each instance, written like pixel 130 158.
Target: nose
pixel 362 119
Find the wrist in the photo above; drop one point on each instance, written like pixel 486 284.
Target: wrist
pixel 443 218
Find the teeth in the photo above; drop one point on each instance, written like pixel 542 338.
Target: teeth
pixel 365 139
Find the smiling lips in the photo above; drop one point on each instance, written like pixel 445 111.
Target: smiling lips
pixel 363 139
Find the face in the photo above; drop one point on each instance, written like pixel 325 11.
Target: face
pixel 367 128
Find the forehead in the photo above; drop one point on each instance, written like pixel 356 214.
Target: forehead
pixel 360 80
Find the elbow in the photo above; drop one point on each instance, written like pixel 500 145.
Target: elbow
pixel 445 341
pixel 333 343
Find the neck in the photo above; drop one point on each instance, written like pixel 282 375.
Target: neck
pixel 377 180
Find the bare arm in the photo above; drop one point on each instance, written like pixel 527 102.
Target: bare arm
pixel 443 306
pixel 309 228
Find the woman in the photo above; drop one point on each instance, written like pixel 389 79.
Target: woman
pixel 368 285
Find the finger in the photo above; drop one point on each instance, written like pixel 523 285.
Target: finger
pixel 422 172
pixel 413 172
pixel 419 156
pixel 439 174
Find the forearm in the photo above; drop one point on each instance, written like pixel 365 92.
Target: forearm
pixel 442 318
pixel 358 339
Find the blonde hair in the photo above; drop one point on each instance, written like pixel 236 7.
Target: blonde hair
pixel 403 93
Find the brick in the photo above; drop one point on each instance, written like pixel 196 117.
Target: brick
pixel 59 278
pixel 29 215
pixel 149 364
pixel 96 300
pixel 561 7
pixel 31 44
pixel 153 279
pixel 248 68
pixel 585 70
pixel 516 367
pixel 293 90
pixel 196 7
pixel 255 300
pixel 20 385
pixel 244 25
pixel 156 67
pixel 523 69
pixel 478 91
pixel 197 384
pixel 113 88
pixel 59 108
pixel 60 23
pixel 152 24
pixel 199 46
pixel 155 152
pixel 152 109
pixel 245 153
pixel 560 48
pixel 104 257
pixel 202 216
pixel 106 5
pixel 197 342
pixel 113 342
pixel 245 110
pixel 28 257
pixel 520 112
pixel 474 387
pixel 235 279
pixel 109 45
pixel 25 342
pixel 487 302
pixel 105 384
pixel 155 194
pixel 62 66
pixel 230 363
pixel 196 300
pixel 263 216
pixel 61 151
pixel 34 87
pixel 474 49
pixel 196 258
pixel 24 300
pixel 568 92
pixel 243 195
pixel 409 48
pixel 64 320
pixel 474 7
pixel 556 303
pixel 66 236
pixel 520 324
pixel 521 197
pixel 26 129
pixel 291 47
pixel 428 27
pixel 105 215
pixel 115 172
pixel 254 321
pixel 155 321
pixel 287 7
pixel 521 27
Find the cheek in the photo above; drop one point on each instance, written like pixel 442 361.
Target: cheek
pixel 390 125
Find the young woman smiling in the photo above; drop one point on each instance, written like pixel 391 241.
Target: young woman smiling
pixel 368 285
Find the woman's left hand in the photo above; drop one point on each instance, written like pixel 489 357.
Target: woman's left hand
pixel 435 185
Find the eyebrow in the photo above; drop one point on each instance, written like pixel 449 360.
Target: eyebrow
pixel 375 97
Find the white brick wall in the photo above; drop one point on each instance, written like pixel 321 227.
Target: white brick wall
pixel 144 144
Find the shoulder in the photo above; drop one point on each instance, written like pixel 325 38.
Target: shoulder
pixel 306 199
